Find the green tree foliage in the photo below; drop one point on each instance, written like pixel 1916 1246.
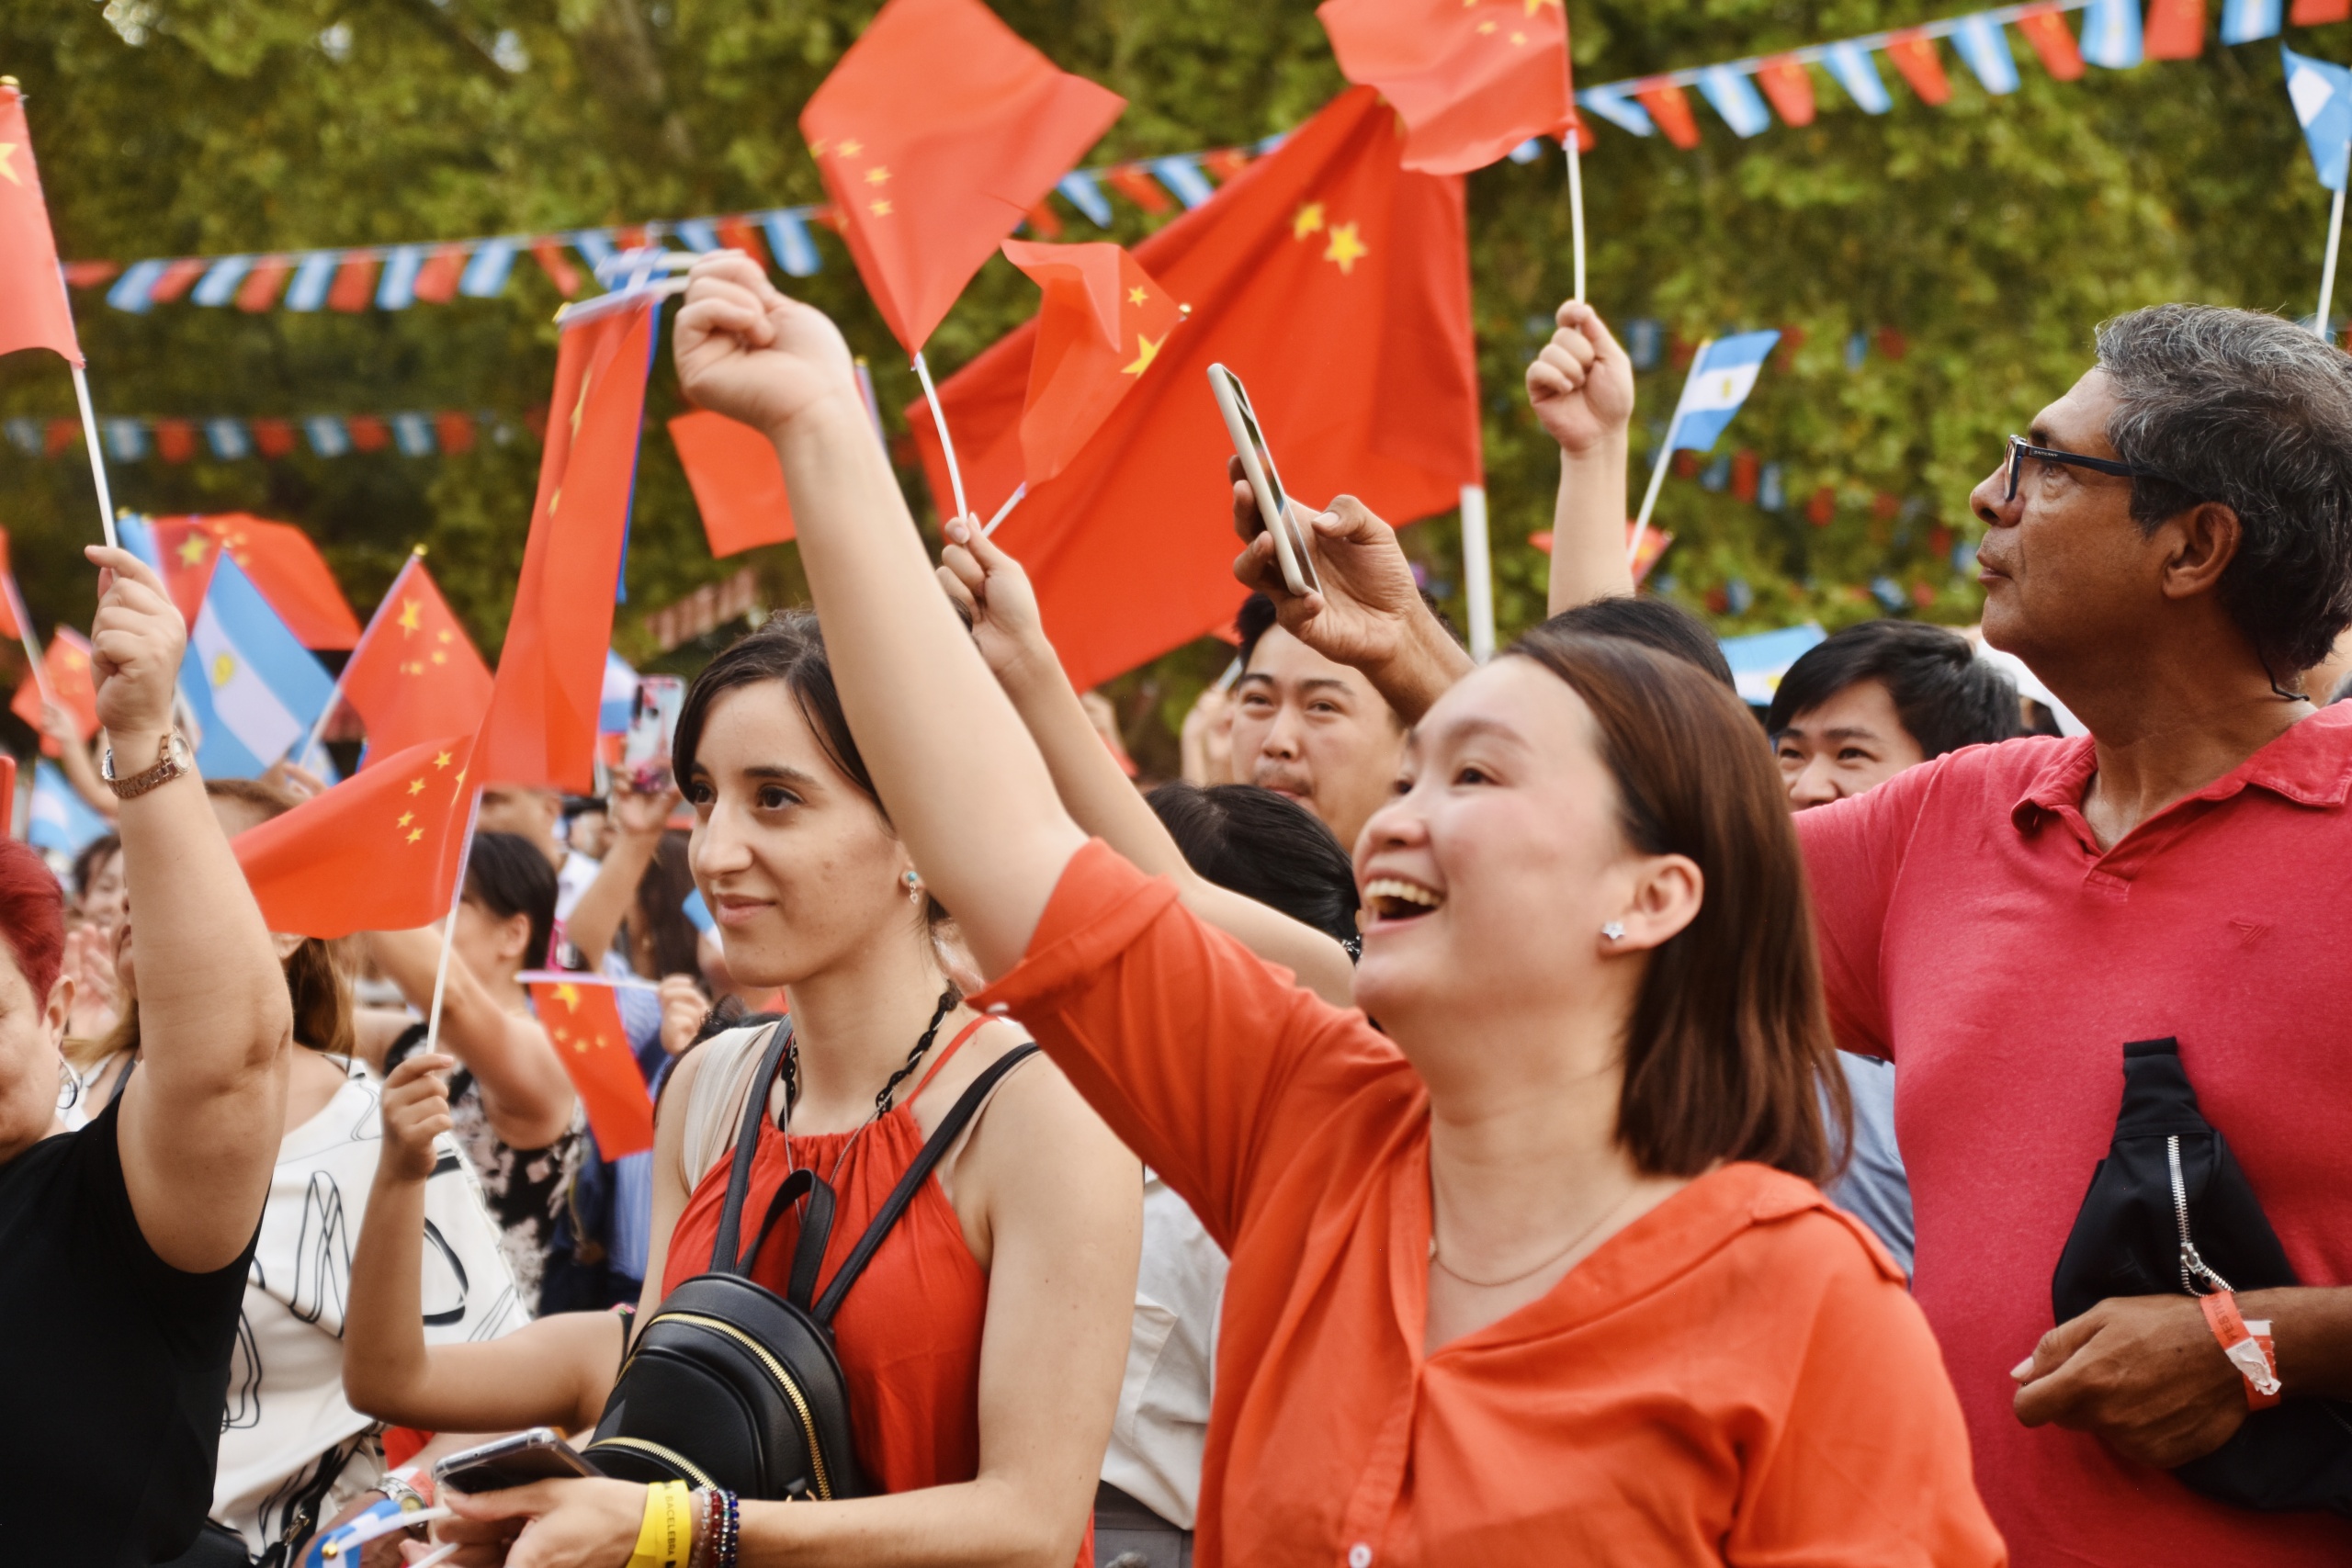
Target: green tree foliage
pixel 1972 247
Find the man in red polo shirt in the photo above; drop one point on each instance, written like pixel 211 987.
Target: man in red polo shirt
pixel 2169 546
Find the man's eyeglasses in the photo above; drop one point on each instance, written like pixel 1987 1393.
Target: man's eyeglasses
pixel 2020 449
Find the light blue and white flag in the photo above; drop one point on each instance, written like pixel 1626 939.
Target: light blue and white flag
pixel 1758 662
pixel 58 819
pixel 788 238
pixel 313 275
pixel 1613 105
pixel 1858 73
pixel 2111 34
pixel 218 283
pixel 2322 95
pixel 1721 378
pixel 253 688
pixel 620 702
pixel 2245 21
pixel 1735 98
pixel 1081 191
pixel 486 270
pixel 1985 44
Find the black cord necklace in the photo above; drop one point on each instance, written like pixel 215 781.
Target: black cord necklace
pixel 948 1001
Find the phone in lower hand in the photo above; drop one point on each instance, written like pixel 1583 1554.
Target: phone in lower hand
pixel 539 1454
pixel 653 723
pixel 1290 550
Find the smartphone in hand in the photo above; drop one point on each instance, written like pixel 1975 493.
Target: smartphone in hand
pixel 539 1454
pixel 1290 550
pixel 653 726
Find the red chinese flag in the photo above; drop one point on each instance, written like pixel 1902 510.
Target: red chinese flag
pixel 737 479
pixel 2175 29
pixel 1787 84
pixel 71 682
pixel 2314 13
pixel 1473 78
pixel 1102 326
pixel 584 1020
pixel 1914 55
pixel 285 568
pixel 937 134
pixel 378 852
pixel 1336 283
pixel 2053 44
pixel 416 673
pixel 1670 106
pixel 541 728
pixel 33 308
pixel 14 622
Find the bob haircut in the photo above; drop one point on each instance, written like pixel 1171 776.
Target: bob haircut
pixel 506 875
pixel 791 649
pixel 1728 1055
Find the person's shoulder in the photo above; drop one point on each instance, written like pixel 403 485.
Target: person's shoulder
pixel 1796 1223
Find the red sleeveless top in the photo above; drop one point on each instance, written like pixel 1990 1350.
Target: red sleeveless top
pixel 908 1332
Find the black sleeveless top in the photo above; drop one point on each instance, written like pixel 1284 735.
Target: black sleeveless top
pixel 114 1365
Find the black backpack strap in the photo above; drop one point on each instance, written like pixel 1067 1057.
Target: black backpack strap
pixel 967 1107
pixel 808 1256
pixel 792 1189
pixel 747 1139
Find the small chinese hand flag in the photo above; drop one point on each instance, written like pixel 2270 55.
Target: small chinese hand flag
pixel 1473 78
pixel 937 134
pixel 378 852
pixel 1100 329
pixel 416 673
pixel 285 567
pixel 737 479
pixel 540 731
pixel 14 623
pixel 71 682
pixel 584 1020
pixel 33 308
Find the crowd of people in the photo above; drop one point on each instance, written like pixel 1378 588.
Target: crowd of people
pixel 1535 1111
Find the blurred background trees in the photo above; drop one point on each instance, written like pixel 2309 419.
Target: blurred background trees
pixel 1939 270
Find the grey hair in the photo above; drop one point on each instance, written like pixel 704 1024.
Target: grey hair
pixel 2251 411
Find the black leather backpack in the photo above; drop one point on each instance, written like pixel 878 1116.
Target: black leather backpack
pixel 2169 1212
pixel 730 1385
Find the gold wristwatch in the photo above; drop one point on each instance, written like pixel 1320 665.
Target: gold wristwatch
pixel 171 762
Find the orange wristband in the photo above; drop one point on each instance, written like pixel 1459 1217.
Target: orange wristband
pixel 2247 1346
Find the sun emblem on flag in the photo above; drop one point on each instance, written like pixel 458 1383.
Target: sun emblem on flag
pixel 224 670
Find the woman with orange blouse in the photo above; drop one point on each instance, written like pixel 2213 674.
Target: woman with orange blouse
pixel 1537 1270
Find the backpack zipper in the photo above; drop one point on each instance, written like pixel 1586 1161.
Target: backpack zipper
pixel 670 1457
pixel 776 1370
pixel 2192 1267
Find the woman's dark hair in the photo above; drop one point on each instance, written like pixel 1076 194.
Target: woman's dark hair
pixel 1729 1054
pixel 318 973
pixel 789 648
pixel 1264 847
pixel 507 875
pixel 1653 623
pixel 1945 696
pixel 91 856
pixel 658 914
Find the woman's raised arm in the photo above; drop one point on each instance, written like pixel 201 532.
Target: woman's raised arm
pixel 952 762
pixel 525 1095
pixel 202 1117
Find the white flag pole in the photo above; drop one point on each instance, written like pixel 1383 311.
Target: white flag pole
pixel 1576 204
pixel 98 458
pixel 25 633
pixel 1477 573
pixel 2327 270
pixel 1657 474
pixel 450 930
pixel 946 442
pixel 1006 510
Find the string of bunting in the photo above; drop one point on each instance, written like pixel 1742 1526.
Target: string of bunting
pixel 1745 94
pixel 410 433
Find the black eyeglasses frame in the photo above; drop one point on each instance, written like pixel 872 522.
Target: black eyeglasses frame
pixel 2019 449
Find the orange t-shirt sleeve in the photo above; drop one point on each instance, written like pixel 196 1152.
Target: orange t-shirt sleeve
pixel 1869 1466
pixel 1207 1060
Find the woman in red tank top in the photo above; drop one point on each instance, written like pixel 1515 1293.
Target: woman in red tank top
pixel 984 1343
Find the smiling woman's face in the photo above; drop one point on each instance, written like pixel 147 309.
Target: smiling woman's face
pixel 1491 872
pixel 795 861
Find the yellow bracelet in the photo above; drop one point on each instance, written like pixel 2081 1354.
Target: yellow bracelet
pixel 665 1535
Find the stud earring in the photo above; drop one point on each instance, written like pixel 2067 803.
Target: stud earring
pixel 914 886
pixel 1615 930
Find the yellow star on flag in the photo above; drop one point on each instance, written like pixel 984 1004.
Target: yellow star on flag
pixel 415 834
pixel 1346 247
pixel 1136 297
pixel 1517 39
pixel 8 151
pixel 881 209
pixel 880 174
pixel 439 657
pixel 416 786
pixel 849 149
pixel 191 551
pixel 1309 220
pixel 410 610
pixel 406 817
pixel 1486 27
pixel 1148 351
pixel 444 636
pixel 1535 5
pixel 568 995
pixel 441 760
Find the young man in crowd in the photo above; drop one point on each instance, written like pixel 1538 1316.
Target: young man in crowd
pixel 2170 547
pixel 1851 714
pixel 1310 728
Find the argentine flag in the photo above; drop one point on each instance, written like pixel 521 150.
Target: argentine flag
pixel 254 690
pixel 58 820
pixel 618 704
pixel 1721 378
pixel 2322 95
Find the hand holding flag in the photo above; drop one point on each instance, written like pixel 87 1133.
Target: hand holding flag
pixel 1582 384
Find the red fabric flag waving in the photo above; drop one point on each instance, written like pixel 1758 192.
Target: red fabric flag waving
pixel 737 479
pixel 1103 324
pixel 1473 78
pixel 71 682
pixel 541 728
pixel 1337 285
pixel 416 673
pixel 937 134
pixel 378 852
pixel 584 1020
pixel 33 309
pixel 14 622
pixel 285 566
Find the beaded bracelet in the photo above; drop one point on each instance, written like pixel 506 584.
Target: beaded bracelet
pixel 731 1534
